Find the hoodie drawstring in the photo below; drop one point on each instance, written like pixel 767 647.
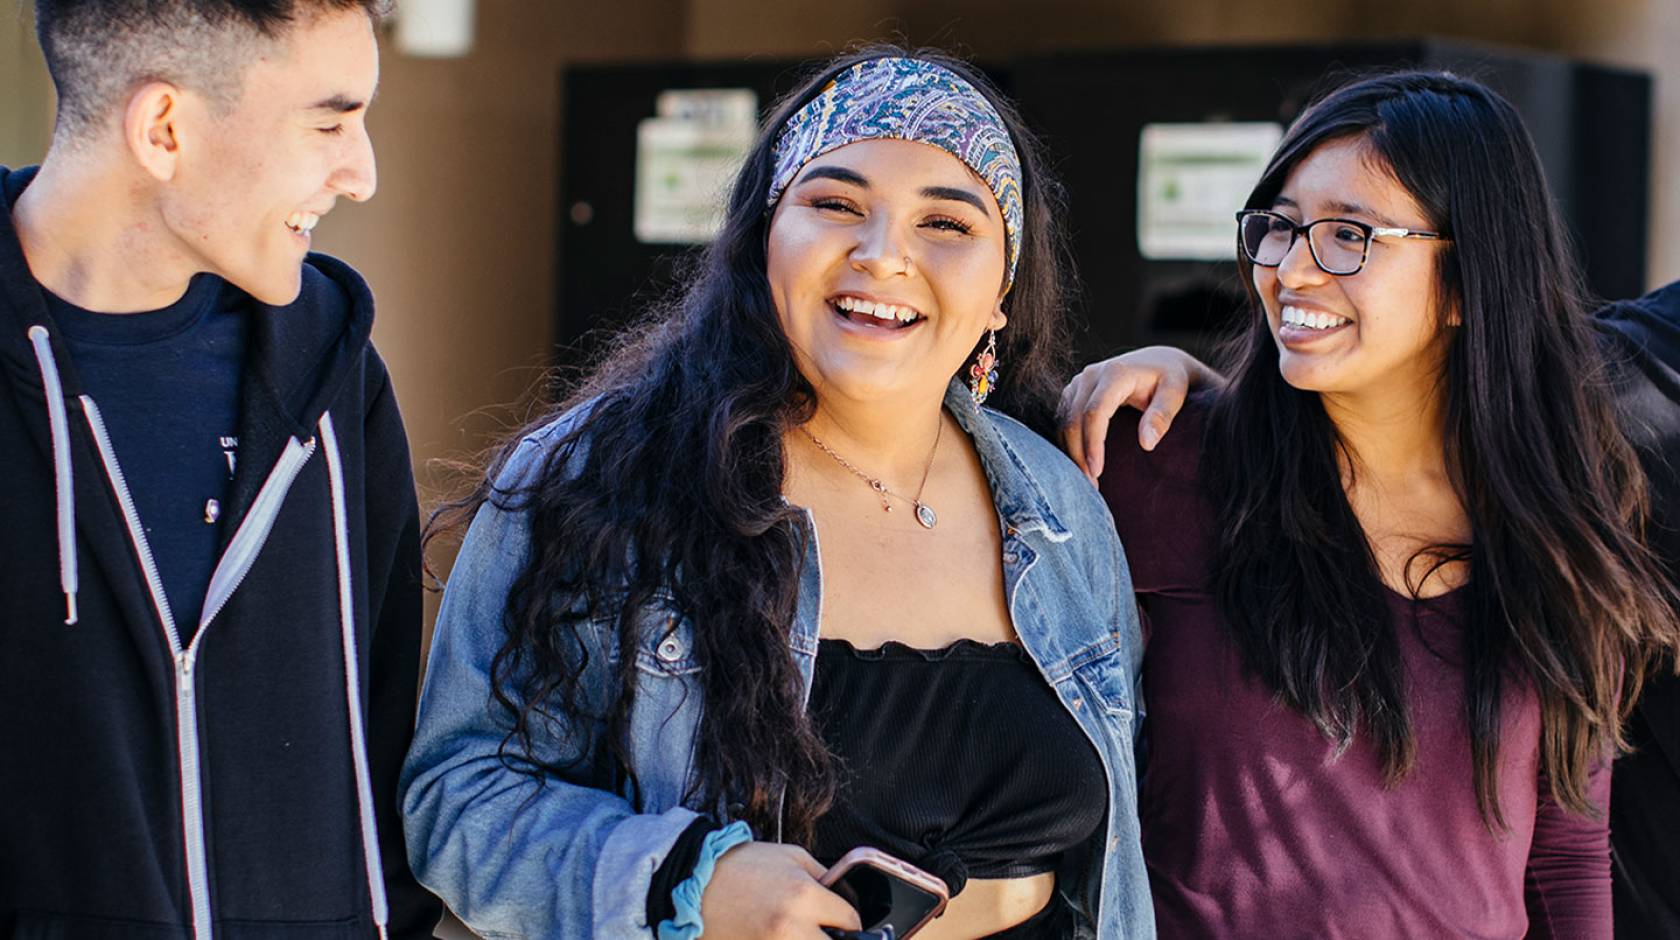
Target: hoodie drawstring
pixel 59 420
pixel 352 681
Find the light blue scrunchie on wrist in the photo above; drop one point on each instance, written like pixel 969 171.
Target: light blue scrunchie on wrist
pixel 686 895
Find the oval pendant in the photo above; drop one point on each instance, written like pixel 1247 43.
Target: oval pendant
pixel 926 516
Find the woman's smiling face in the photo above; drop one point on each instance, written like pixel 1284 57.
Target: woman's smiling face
pixel 1378 329
pixel 886 264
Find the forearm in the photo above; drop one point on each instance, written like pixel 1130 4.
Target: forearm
pixel 515 856
pixel 1567 883
pixel 517 847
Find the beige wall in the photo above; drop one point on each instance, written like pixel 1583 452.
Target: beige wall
pixel 1003 27
pixel 25 89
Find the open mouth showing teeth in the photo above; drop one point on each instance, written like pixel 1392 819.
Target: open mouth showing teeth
pixel 302 223
pixel 1312 320
pixel 870 313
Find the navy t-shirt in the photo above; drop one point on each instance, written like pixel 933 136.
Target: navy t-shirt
pixel 167 384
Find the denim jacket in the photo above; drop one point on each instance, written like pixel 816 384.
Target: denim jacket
pixel 568 860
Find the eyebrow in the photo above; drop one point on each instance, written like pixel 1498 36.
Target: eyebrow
pixel 838 173
pixel 1344 208
pixel 1354 208
pixel 953 193
pixel 339 104
pixel 843 175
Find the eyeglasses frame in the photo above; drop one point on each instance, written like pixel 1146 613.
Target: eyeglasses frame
pixel 1304 229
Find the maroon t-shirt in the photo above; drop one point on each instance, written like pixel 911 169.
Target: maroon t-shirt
pixel 1254 827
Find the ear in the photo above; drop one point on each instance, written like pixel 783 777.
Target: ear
pixel 151 128
pixel 999 319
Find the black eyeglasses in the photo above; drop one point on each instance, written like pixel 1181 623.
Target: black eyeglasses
pixel 1339 246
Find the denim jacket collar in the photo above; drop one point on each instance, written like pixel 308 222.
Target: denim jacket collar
pixel 1020 500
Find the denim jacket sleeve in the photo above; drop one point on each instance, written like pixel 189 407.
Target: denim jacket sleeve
pixel 513 857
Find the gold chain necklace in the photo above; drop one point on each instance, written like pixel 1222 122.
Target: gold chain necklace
pixel 924 513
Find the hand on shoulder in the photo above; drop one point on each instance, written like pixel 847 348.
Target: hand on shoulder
pixel 1154 380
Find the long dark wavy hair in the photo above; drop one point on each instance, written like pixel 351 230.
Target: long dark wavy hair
pixel 1563 593
pixel 669 479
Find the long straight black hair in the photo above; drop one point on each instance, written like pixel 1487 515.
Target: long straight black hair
pixel 1563 593
pixel 671 480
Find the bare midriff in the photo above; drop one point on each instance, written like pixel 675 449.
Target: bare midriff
pixel 988 905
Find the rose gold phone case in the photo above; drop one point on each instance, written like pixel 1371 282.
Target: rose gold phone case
pixel 898 868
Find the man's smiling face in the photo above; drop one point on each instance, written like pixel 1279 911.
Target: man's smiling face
pixel 252 181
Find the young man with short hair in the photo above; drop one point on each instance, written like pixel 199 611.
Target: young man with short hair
pixel 209 644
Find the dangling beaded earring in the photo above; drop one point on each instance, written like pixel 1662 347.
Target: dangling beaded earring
pixel 982 376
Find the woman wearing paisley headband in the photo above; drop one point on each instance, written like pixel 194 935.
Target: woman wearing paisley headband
pixel 794 572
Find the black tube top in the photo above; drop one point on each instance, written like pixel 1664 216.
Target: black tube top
pixel 961 761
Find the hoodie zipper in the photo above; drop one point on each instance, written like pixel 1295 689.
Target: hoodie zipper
pixel 242 551
pixel 148 565
pixel 248 541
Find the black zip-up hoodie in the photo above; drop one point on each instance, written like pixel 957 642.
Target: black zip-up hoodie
pixel 1643 345
pixel 217 791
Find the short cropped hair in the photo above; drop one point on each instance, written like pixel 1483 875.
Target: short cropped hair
pixel 98 51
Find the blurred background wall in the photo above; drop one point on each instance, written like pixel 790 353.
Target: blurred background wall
pixel 460 242
pixel 25 91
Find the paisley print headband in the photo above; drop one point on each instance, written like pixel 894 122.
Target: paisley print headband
pixel 908 99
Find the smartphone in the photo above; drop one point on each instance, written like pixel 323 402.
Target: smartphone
pixel 887 892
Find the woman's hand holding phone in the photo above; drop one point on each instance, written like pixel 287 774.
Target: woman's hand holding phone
pixel 761 889
pixel 894 897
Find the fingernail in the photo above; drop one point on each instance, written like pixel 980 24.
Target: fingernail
pixel 1151 437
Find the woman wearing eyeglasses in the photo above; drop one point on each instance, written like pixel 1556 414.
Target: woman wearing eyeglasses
pixel 1394 577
